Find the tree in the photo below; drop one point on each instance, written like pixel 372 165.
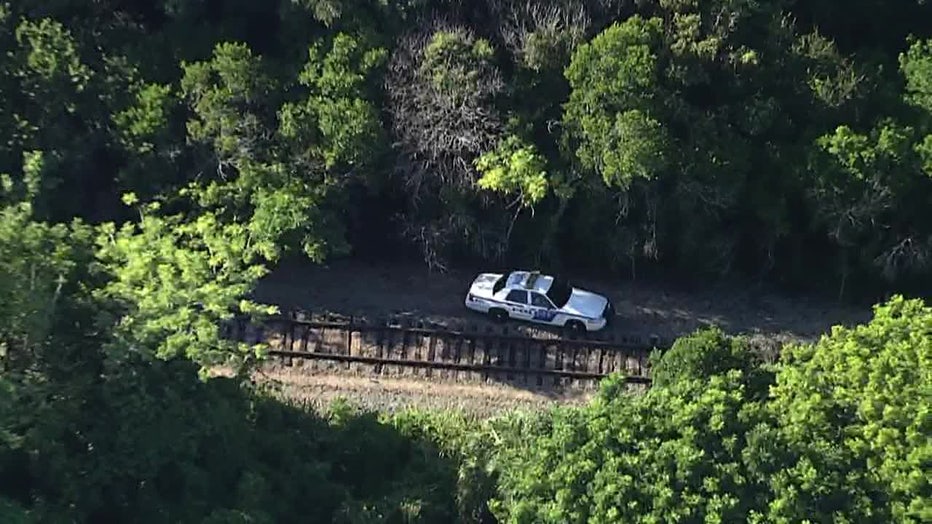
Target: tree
pixel 514 167
pixel 40 263
pixel 441 87
pixel 280 165
pixel 880 178
pixel 612 80
pixel 231 97
pixel 673 454
pixel 916 65
pixel 852 438
pixel 877 179
pixel 542 34
pixel 337 126
pixel 836 431
pixel 176 282
pixel 93 427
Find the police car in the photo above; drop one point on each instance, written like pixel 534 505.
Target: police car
pixel 533 297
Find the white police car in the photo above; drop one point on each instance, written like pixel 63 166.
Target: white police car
pixel 533 297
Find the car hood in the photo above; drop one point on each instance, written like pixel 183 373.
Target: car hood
pixel 585 303
pixel 482 285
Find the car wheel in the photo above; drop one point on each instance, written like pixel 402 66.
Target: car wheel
pixel 576 327
pixel 499 315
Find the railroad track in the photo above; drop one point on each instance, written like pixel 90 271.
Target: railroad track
pixel 474 352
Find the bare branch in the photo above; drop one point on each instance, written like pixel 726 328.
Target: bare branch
pixel 535 31
pixel 905 256
pixel 441 128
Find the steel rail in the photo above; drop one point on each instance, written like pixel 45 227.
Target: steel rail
pixel 430 364
pixel 493 353
pixel 632 342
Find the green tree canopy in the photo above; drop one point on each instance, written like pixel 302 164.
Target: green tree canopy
pixel 853 411
pixel 613 81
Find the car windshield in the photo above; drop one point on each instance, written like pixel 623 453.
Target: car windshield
pixel 499 284
pixel 559 292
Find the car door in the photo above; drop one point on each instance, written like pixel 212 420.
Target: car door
pixel 518 306
pixel 542 310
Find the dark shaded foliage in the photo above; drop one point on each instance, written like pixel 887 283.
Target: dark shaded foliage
pixel 782 140
pixel 103 416
pixel 751 118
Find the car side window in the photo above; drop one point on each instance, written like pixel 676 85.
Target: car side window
pixel 516 295
pixel 538 300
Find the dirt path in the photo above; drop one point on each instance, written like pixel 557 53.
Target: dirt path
pixel 356 288
pixel 388 394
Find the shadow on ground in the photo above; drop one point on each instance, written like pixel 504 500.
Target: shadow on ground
pixel 645 308
pixel 152 443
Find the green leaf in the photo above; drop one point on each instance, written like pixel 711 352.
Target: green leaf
pixel 514 167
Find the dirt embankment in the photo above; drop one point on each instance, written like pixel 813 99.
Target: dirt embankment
pixel 317 390
pixel 645 308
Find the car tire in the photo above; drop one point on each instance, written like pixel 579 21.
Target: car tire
pixel 575 327
pixel 498 315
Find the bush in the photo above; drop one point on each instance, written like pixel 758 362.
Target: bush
pixel 837 431
pixel 699 356
pixel 853 422
pixel 155 444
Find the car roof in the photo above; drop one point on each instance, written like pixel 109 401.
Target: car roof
pixel 529 280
